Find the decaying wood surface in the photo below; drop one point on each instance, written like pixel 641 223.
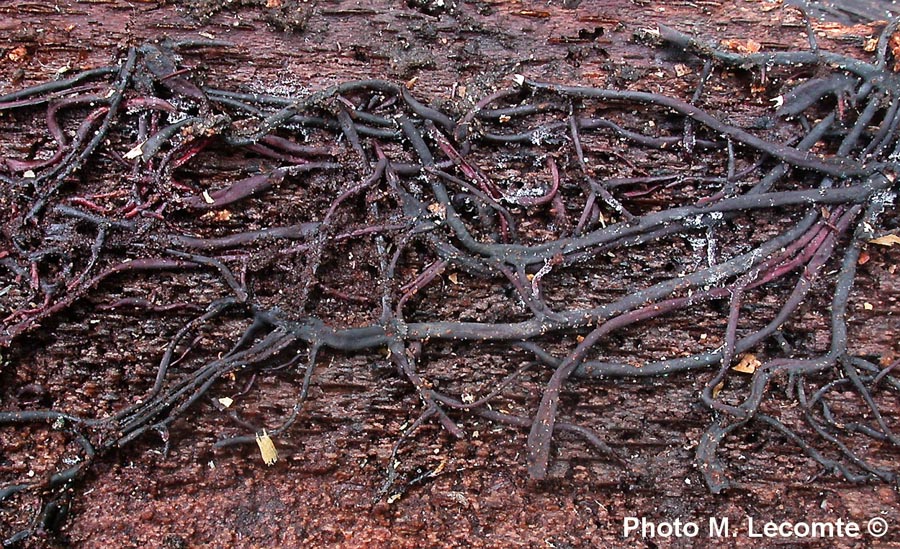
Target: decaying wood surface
pixel 324 488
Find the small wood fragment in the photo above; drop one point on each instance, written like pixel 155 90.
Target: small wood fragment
pixel 266 448
pixel 747 365
pixel 886 240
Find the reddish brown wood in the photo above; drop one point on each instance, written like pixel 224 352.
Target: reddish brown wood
pixel 322 490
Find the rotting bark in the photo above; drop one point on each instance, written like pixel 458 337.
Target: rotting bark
pixel 374 167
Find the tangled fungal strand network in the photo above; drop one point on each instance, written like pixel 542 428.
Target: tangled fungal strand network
pixel 509 191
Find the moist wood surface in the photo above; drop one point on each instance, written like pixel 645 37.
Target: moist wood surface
pixel 323 489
